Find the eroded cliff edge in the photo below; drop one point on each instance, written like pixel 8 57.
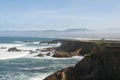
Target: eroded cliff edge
pixel 71 48
pixel 102 63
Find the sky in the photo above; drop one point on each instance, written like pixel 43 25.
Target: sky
pixel 32 15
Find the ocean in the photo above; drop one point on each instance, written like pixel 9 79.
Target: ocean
pixel 24 65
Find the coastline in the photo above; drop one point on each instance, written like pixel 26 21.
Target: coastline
pixel 19 58
pixel 92 62
pixel 76 51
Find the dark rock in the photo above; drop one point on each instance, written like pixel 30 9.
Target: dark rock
pixel 3 47
pixel 28 41
pixel 48 49
pixel 73 46
pixel 61 55
pixel 31 51
pixel 14 49
pixel 42 42
pixel 40 55
pixel 48 54
pixel 103 65
pixel 65 74
pixel 44 50
pixel 38 49
pixel 52 42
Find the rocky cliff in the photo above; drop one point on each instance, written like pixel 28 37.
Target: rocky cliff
pixel 103 64
pixel 71 48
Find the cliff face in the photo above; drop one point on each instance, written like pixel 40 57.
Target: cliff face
pixel 76 47
pixel 104 65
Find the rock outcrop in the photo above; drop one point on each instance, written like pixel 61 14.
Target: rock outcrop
pixel 51 42
pixel 40 55
pixel 71 48
pixel 3 48
pixel 61 55
pixel 103 65
pixel 48 49
pixel 13 49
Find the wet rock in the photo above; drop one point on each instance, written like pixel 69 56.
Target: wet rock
pixel 40 55
pixel 50 49
pixel 62 75
pixel 44 50
pixel 3 48
pixel 48 54
pixel 14 49
pixel 31 51
pixel 50 42
pixel 38 49
pixel 28 41
pixel 61 55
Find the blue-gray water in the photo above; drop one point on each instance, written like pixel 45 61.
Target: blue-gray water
pixel 12 39
pixel 26 69
pixel 31 68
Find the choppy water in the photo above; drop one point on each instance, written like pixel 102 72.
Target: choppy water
pixel 32 69
pixel 29 68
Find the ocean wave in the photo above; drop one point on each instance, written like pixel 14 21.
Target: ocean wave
pixel 11 45
pixel 25 51
pixel 11 55
pixel 25 42
pixel 50 57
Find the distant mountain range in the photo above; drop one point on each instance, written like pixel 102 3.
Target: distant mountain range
pixel 77 30
pixel 74 32
pixel 68 30
pixel 52 30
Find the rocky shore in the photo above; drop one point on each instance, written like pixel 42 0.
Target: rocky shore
pixel 101 61
pixel 75 48
pixel 70 48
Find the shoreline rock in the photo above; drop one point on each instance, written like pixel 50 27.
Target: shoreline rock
pixel 39 55
pixel 101 64
pixel 71 48
pixel 61 54
pixel 14 49
pixel 3 48
pixel 51 42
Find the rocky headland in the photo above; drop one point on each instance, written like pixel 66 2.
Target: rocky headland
pixel 75 48
pixel 101 61
pixel 69 48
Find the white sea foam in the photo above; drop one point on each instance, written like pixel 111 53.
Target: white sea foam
pixel 36 42
pixel 10 55
pixel 57 45
pixel 40 76
pixel 50 57
pixel 23 42
pixel 27 42
pixel 27 48
pixel 4 54
pixel 11 45
pixel 79 57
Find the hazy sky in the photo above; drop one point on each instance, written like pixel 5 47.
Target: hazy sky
pixel 59 14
